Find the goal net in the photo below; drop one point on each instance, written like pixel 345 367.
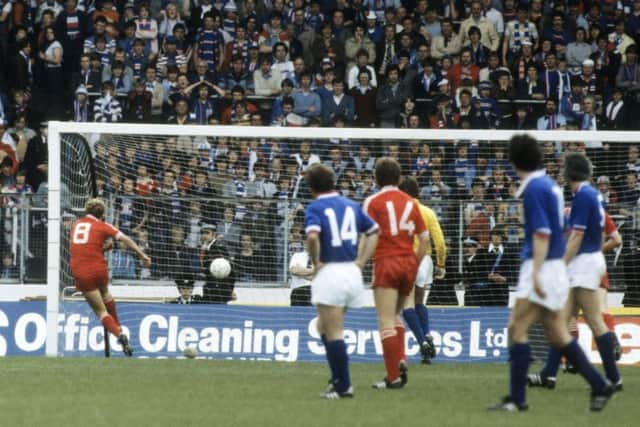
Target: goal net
pixel 173 188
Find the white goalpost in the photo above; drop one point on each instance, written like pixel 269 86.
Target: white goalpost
pixel 98 149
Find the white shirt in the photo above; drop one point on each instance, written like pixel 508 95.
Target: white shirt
pixel 299 259
pixel 352 79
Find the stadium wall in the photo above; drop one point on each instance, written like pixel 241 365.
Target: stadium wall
pixel 259 333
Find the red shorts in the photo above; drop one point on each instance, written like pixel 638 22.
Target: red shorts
pixel 91 280
pixel 604 283
pixel 397 272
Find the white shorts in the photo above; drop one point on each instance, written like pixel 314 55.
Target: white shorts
pixel 553 279
pixel 586 270
pixel 425 272
pixel 338 285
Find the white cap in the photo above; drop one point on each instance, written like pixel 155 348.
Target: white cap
pixel 443 82
pixel 588 63
pixel 372 15
pixel 526 43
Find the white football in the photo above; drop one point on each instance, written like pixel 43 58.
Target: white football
pixel 190 352
pixel 220 268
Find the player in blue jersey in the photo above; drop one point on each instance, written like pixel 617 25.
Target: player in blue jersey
pixel 543 285
pixel 333 225
pixel 586 267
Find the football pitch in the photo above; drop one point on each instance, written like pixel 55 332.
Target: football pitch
pixel 144 392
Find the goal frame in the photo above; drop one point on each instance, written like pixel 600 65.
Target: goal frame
pixel 57 128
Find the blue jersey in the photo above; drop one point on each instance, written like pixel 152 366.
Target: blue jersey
pixel 543 204
pixel 587 215
pixel 339 221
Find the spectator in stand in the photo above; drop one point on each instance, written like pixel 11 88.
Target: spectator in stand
pixel 628 77
pixel 391 97
pixel 281 63
pixel 447 43
pixel 523 61
pixel 72 27
pixel 578 51
pixel 122 83
pixel 531 87
pixel 362 62
pixel 307 103
pixel 462 170
pixel 354 48
pixel 479 52
pixel 147 29
pixel 518 32
pixel 180 114
pixel 465 69
pixel 90 79
pixel 551 119
pixel 229 229
pixel 338 104
pixel 99 30
pixel 209 47
pixel 82 110
pixel 619 41
pixel 266 81
pixel 489 35
pixel 615 114
pixel 107 108
pixel 385 51
pixel 169 18
pixel 22 71
pixel 139 104
pixel 237 76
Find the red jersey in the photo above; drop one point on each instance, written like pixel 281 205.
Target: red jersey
pixel 88 235
pixel 399 219
pixel 609 226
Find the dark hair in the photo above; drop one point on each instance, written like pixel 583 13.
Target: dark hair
pixel 392 67
pixel 388 171
pixel 577 167
pixel 320 178
pixel 525 153
pixel 410 186
pixel 474 30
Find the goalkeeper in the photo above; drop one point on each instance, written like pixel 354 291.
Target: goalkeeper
pixel 415 312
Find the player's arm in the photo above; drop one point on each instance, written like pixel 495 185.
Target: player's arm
pixel 313 247
pixel 421 231
pixel 612 237
pixel 437 236
pixel 369 235
pixel 129 243
pixel 540 251
pixel 578 219
pixel 313 227
pixel 611 242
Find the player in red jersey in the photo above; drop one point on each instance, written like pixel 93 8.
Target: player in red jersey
pixel 395 264
pixel 90 237
pixel 610 241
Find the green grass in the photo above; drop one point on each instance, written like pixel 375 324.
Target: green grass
pixel 121 392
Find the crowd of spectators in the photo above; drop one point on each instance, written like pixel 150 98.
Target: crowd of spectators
pixel 470 64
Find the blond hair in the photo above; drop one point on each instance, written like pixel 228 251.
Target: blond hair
pixel 95 207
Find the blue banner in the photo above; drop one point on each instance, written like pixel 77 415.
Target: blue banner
pixel 244 332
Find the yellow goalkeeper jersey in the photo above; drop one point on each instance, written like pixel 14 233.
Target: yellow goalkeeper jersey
pixel 435 232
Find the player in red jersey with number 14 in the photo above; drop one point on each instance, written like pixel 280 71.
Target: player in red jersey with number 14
pixel 90 237
pixel 395 264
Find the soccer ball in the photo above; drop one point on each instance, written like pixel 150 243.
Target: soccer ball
pixel 190 352
pixel 220 268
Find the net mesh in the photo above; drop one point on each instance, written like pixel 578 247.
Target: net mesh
pixel 164 190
